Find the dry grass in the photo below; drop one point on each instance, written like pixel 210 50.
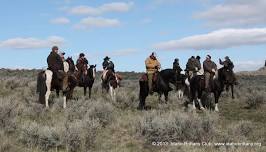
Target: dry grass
pixel 100 124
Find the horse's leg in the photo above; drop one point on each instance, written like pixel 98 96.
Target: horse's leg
pixel 166 96
pixel 143 93
pixel 216 96
pixel 89 92
pixel 199 99
pixel 48 82
pixel 111 89
pixel 64 98
pixel 232 91
pixel 85 90
pixel 57 92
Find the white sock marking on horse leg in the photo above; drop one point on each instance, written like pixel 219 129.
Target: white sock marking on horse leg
pixel 111 91
pixel 193 106
pixel 114 95
pixel 49 75
pixel 64 104
pixel 47 94
pixel 216 107
pixel 200 104
pixel 178 94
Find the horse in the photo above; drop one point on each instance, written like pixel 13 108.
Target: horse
pixel 181 86
pixel 161 86
pixel 110 83
pixel 197 86
pixel 89 77
pixel 229 81
pixel 71 65
pixel 88 80
pixel 45 85
pixel 64 82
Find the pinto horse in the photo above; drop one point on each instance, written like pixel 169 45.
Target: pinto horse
pixel 197 86
pixel 64 81
pixel 46 83
pixel 161 86
pixel 110 83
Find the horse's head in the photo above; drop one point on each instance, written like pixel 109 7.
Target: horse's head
pixel 71 64
pixel 92 71
pixel 169 76
pixel 225 75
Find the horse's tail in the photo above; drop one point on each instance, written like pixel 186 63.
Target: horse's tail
pixel 41 86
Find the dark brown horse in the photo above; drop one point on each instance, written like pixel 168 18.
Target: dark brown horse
pixel 88 80
pixel 161 86
pixel 87 77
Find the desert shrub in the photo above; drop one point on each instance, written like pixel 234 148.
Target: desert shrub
pixel 100 110
pixel 242 128
pixel 126 98
pixel 44 137
pixel 255 99
pixel 103 112
pixel 176 126
pixel 8 114
pixel 80 135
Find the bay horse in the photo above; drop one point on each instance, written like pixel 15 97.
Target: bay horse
pixel 161 86
pixel 110 83
pixel 88 78
pixel 197 86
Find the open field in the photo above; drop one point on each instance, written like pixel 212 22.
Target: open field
pixel 101 125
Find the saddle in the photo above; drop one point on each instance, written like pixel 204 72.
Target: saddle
pixel 144 77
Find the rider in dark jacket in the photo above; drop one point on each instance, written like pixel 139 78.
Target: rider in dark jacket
pixel 227 63
pixel 176 66
pixel 54 61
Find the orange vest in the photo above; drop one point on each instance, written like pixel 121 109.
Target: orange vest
pixel 151 64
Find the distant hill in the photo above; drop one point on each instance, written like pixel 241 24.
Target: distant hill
pixel 261 71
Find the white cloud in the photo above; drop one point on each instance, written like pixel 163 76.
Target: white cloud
pixel 235 13
pixel 30 43
pixel 97 22
pixel 60 20
pixel 249 65
pixel 220 39
pixel 105 8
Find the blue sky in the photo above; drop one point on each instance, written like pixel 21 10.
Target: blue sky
pixel 128 31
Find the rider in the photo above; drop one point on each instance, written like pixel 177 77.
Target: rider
pixel 107 65
pixel 152 66
pixel 176 66
pixel 82 66
pixel 228 65
pixel 192 66
pixel 55 63
pixel 209 71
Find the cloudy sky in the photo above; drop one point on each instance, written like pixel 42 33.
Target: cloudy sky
pixel 128 31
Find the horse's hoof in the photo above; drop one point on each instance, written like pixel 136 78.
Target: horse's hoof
pixel 216 110
pixel 202 108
